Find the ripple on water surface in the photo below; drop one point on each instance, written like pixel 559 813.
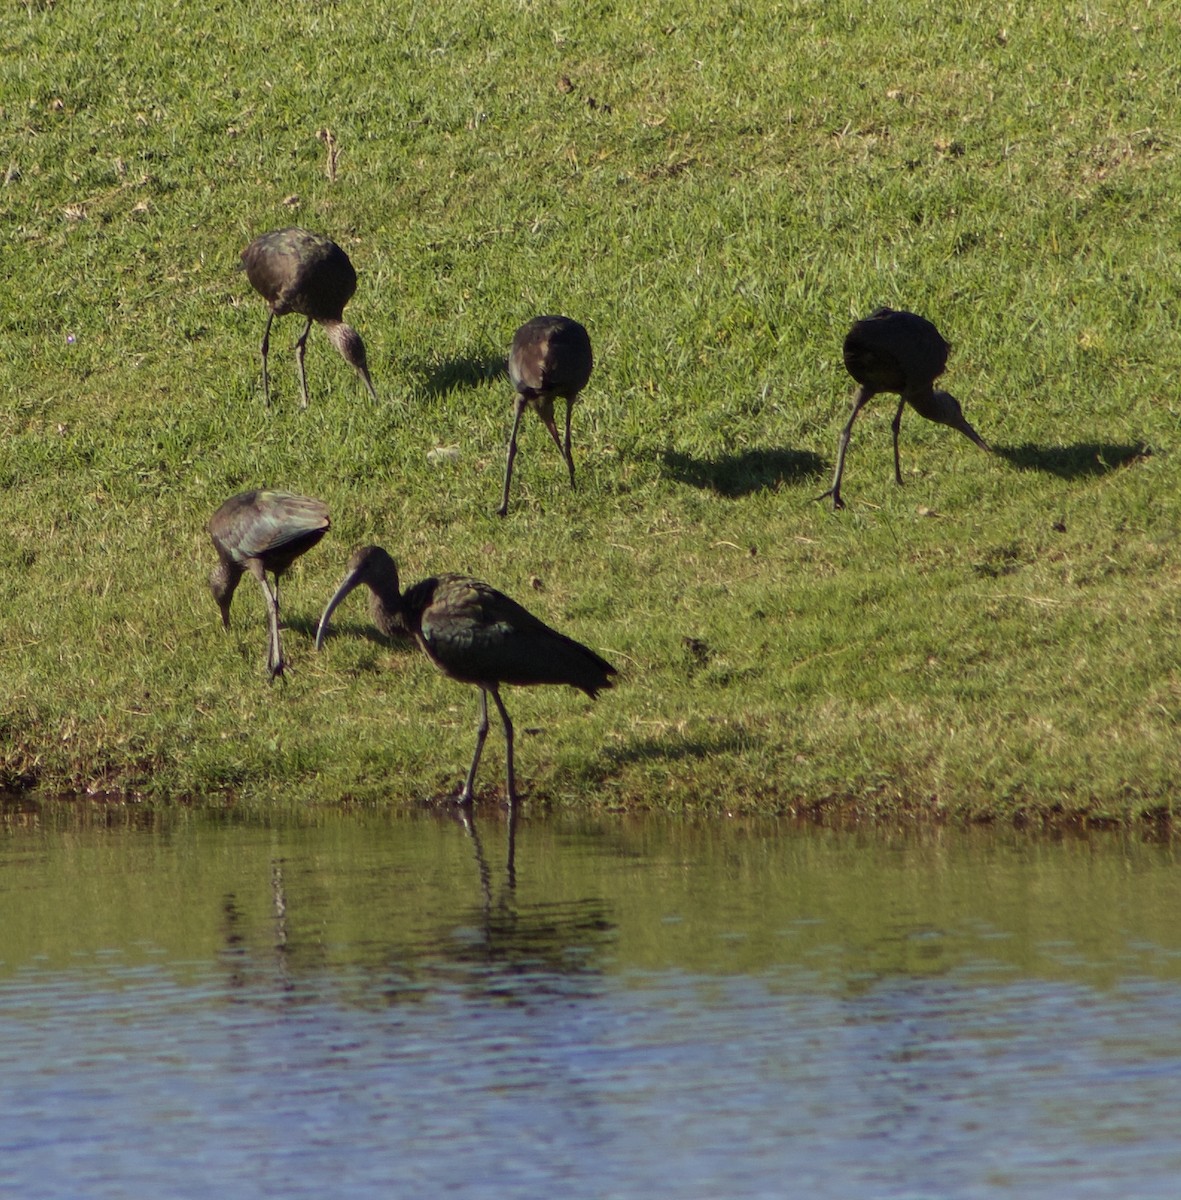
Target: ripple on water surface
pixel 757 1017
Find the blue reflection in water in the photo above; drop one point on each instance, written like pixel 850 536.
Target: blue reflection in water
pixel 506 1048
pixel 637 1086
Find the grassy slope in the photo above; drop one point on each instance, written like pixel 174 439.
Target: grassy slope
pixel 718 192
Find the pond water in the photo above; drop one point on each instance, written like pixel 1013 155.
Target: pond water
pixel 353 1004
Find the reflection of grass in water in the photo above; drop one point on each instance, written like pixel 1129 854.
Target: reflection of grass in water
pixel 995 637
pixel 379 908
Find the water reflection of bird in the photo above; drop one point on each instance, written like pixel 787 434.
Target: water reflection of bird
pixel 473 634
pixel 300 272
pixel 260 532
pixel 550 357
pixel 467 819
pixel 891 351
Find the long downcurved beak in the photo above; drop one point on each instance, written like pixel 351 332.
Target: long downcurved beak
pixel 364 373
pixel 972 435
pixel 350 581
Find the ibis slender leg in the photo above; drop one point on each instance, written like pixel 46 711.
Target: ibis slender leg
pixel 518 409
pixel 278 621
pixel 465 797
pixel 274 646
pixel 265 349
pixel 566 451
pixel 300 345
pixel 547 418
pixel 552 427
pixel 508 747
pixel 896 425
pixel 859 399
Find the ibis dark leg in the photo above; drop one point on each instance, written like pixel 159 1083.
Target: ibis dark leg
pixel 264 350
pixel 546 413
pixel 274 647
pixel 518 409
pixel 566 450
pixel 300 346
pixel 896 425
pixel 860 397
pixel 508 747
pixel 547 419
pixel 465 797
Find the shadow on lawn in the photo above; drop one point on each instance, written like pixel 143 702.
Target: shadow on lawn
pixel 307 627
pixel 734 475
pixel 439 378
pixel 1074 462
pixel 676 748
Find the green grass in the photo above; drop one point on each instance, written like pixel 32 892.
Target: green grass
pixel 716 192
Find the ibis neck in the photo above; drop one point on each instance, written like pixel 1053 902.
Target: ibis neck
pixel 385 608
pixel 223 580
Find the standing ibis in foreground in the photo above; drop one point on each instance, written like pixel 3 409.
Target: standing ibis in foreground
pixel 258 532
pixel 891 351
pixel 473 634
pixel 550 357
pixel 300 272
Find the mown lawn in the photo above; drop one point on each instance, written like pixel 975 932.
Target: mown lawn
pixel 716 192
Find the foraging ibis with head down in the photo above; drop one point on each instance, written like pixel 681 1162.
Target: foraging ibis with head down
pixel 260 532
pixel 901 352
pixel 473 634
pixel 300 272
pixel 550 357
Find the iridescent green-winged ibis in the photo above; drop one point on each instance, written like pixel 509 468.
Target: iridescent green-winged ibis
pixel 258 532
pixel 476 635
pixel 891 351
pixel 300 272
pixel 550 357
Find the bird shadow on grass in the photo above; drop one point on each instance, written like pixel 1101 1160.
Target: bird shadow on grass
pixel 307 627
pixel 461 371
pixel 1074 462
pixel 676 748
pixel 734 475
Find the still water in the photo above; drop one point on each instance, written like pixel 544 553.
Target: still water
pixel 356 1005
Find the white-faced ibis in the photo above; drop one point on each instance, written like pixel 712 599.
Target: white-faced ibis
pixel 476 635
pixel 891 351
pixel 300 272
pixel 550 357
pixel 258 532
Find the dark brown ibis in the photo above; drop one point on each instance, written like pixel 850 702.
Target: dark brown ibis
pixel 473 634
pixel 550 357
pixel 300 272
pixel 262 532
pixel 892 351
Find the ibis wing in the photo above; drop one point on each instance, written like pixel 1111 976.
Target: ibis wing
pixel 890 347
pixel 476 634
pixel 551 355
pixel 274 520
pixel 300 271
